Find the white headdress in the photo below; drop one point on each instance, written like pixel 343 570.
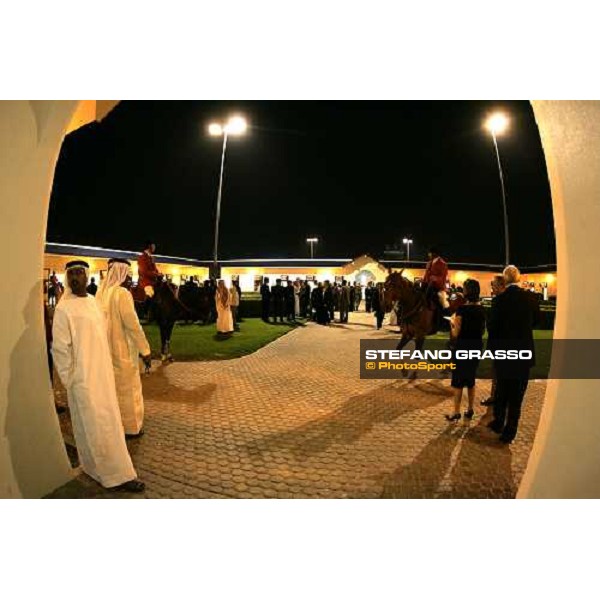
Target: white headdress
pixel 117 274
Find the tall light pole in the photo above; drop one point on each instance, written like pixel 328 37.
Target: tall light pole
pixel 497 125
pixel 408 242
pixel 312 241
pixel 235 126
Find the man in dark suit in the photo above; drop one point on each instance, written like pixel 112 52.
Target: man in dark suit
pixel 369 296
pixel 278 296
pixel 510 327
pixel 328 300
pixel 378 304
pixel 344 302
pixel 290 313
pixel 265 296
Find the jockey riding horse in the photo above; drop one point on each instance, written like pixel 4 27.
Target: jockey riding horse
pixel 434 282
pixel 158 298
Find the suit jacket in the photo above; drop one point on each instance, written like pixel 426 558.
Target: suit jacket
pixel 345 297
pixel 511 321
pixel 265 292
pixel 277 293
pixel 377 301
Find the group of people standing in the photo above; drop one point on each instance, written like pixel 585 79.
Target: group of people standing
pixel 224 302
pixel 299 299
pixel 284 302
pixel 513 314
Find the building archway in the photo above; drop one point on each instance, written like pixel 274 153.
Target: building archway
pixel 33 461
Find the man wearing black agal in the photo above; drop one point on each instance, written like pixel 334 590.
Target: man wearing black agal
pixel 510 327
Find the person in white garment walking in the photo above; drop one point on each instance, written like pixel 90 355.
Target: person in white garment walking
pixel 127 343
pixel 82 359
pixel 224 317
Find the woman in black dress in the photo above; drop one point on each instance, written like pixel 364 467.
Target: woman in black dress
pixel 468 327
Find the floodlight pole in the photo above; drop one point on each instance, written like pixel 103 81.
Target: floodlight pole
pixel 506 239
pixel 218 215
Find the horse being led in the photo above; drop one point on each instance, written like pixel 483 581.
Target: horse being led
pixel 416 318
pixel 165 308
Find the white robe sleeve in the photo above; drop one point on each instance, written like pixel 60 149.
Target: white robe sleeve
pixel 131 323
pixel 62 347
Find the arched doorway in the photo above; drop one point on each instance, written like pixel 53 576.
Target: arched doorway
pixel 32 459
pixel 364 276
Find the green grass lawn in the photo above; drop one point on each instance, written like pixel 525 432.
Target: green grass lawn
pixel 200 342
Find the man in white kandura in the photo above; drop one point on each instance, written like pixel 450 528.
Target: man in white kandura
pixel 127 343
pixel 82 359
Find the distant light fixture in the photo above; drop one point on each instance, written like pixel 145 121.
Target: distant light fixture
pixel 407 242
pixel 497 123
pixel 312 241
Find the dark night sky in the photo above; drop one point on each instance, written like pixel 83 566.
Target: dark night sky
pixel 358 175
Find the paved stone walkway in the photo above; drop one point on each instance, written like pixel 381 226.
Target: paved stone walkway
pixel 294 420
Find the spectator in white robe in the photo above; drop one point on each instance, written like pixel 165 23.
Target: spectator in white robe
pixel 297 289
pixel 223 301
pixel 82 359
pixel 127 343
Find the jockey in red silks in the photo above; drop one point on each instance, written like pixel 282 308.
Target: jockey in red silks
pixel 147 270
pixel 436 274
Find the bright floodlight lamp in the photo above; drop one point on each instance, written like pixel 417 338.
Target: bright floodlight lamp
pixel 497 123
pixel 236 126
pixel 313 240
pixel 407 241
pixel 215 130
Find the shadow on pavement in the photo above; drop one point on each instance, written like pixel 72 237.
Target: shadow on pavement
pixel 349 423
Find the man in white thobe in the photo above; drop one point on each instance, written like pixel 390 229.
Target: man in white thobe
pixel 82 359
pixel 127 342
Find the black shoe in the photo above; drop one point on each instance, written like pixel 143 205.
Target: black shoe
pixel 487 402
pixel 135 486
pixel 469 414
pixel 454 417
pixel 132 436
pixel 495 426
pixel 506 439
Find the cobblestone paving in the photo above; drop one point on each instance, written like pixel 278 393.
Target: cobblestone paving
pixel 294 420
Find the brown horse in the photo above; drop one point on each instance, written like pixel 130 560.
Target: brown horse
pixel 165 308
pixel 416 317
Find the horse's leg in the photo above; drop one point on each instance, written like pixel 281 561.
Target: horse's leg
pixel 163 340
pixel 419 343
pixel 169 332
pixel 404 340
pixel 407 336
pixel 164 337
